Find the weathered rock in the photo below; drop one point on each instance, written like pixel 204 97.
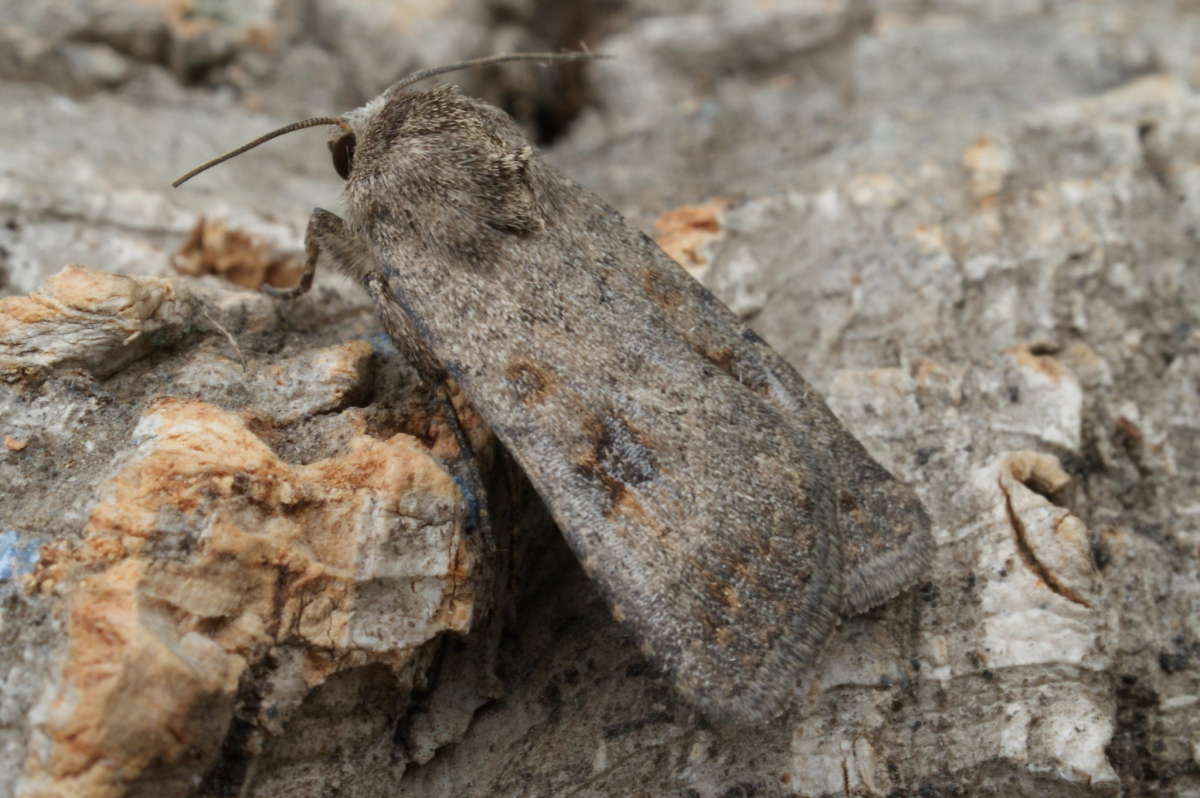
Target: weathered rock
pixel 207 557
pixel 971 224
pixel 89 320
pixel 206 568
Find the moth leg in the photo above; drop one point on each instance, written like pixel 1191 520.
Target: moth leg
pixel 326 235
pixel 404 334
pixel 412 348
pixel 471 483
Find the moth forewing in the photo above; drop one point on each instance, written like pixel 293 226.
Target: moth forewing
pixel 727 516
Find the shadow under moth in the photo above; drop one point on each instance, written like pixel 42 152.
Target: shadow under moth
pixel 726 515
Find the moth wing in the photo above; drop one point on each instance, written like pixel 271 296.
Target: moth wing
pixel 884 530
pixel 703 508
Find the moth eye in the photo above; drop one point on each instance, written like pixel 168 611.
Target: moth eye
pixel 343 155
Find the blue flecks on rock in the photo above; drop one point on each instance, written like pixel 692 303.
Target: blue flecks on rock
pixel 18 554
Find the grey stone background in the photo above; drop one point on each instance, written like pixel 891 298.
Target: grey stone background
pixel 972 224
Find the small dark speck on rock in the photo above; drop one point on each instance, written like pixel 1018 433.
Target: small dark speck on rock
pixel 621 729
pixel 636 668
pixel 551 696
pixel 1173 662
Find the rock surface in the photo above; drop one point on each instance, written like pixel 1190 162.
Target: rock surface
pixel 234 556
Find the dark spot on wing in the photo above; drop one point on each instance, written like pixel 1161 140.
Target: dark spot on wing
pixel 618 458
pixel 722 357
pixel 848 505
pixel 660 288
pixel 725 595
pixel 743 366
pixel 622 454
pixel 532 382
pixel 753 337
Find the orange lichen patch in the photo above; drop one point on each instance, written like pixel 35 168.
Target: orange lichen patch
pixel 185 21
pixel 14 444
pixel 214 248
pixel 343 364
pixel 1129 428
pixel 930 238
pixel 457 614
pixel 430 423
pixel 874 190
pixel 87 319
pixel 260 37
pixel 927 370
pixel 99 292
pixel 1041 473
pixel 1045 364
pixel 75 291
pixel 1053 544
pixel 204 553
pixel 151 684
pixel 988 166
pixel 16 311
pixel 181 17
pixel 685 232
pixel 479 434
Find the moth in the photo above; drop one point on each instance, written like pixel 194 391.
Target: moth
pixel 726 515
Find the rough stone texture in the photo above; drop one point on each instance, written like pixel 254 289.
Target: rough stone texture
pixel 972 224
pixel 206 557
pixel 211 580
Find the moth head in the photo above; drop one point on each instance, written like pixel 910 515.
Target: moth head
pixel 344 139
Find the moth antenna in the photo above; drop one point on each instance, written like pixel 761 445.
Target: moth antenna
pixel 313 122
pixel 404 83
